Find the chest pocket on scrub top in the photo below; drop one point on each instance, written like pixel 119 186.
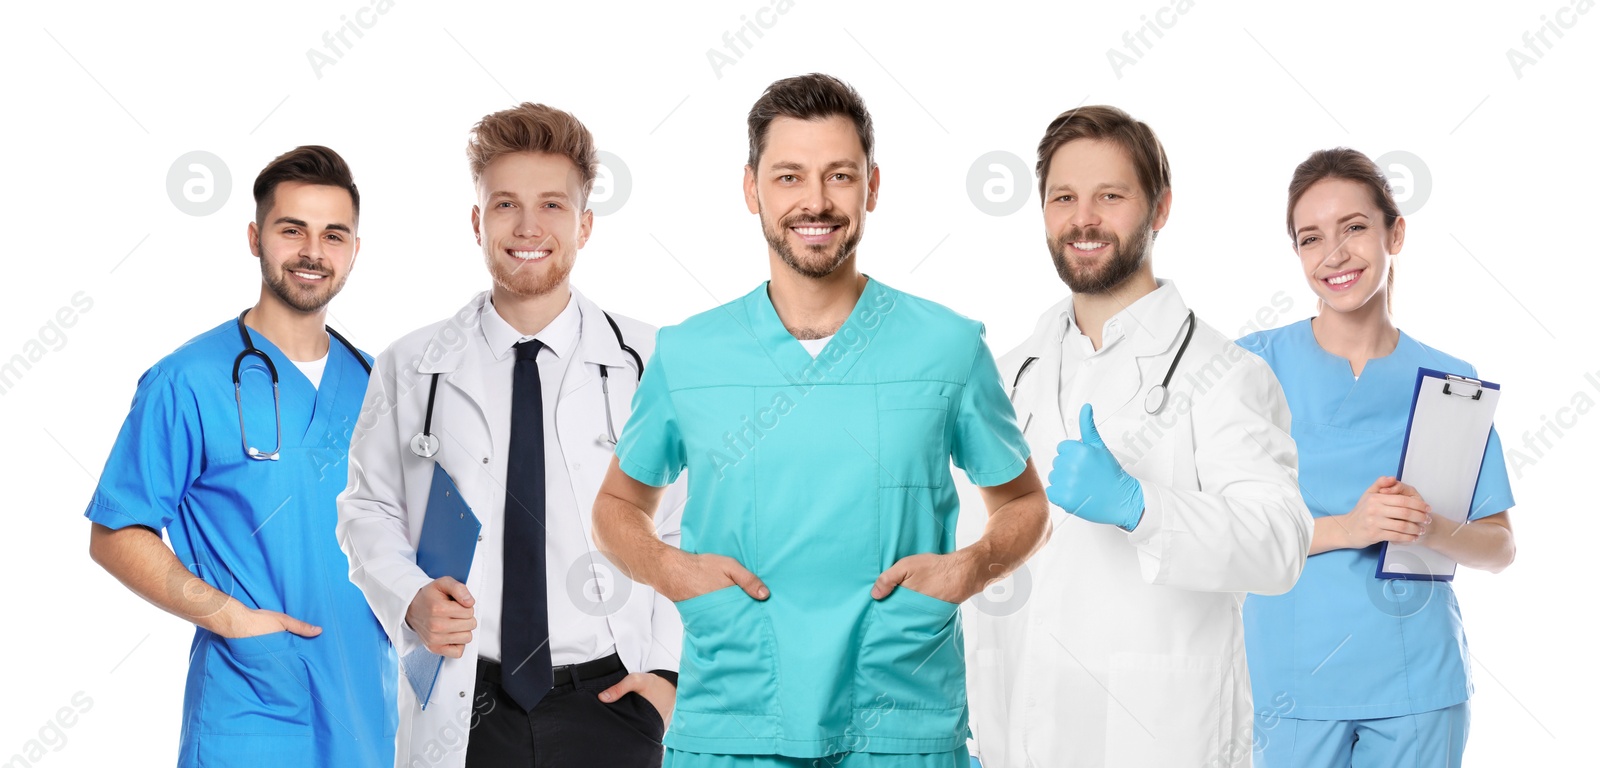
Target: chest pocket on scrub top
pixel 912 448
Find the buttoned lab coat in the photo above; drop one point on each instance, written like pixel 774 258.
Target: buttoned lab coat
pixel 1128 649
pixel 381 512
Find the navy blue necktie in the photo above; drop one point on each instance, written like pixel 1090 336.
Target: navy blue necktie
pixel 525 670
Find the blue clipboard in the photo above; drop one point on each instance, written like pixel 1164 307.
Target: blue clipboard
pixel 449 538
pixel 1460 412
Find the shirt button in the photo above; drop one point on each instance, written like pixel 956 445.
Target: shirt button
pixel 480 537
pixel 463 694
pixel 486 459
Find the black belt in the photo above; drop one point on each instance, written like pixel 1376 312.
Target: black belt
pixel 566 674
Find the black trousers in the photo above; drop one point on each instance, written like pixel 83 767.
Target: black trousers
pixel 570 728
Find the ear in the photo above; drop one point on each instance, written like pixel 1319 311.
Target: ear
pixel 872 188
pixel 1163 209
pixel 253 240
pixel 751 200
pixel 355 251
pixel 1397 236
pixel 477 231
pixel 585 226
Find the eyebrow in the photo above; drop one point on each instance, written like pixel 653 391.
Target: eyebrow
pixel 1343 219
pixel 1113 185
pixel 542 195
pixel 292 221
pixel 788 165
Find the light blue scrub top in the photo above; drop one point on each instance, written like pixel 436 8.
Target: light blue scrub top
pixel 817 475
pixel 1343 645
pixel 262 532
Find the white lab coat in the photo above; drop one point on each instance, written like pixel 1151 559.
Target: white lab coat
pixel 1121 649
pixel 381 511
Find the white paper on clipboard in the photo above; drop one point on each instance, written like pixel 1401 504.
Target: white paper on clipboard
pixel 1445 441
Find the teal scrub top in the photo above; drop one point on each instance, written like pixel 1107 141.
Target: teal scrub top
pixel 1343 645
pixel 263 533
pixel 817 475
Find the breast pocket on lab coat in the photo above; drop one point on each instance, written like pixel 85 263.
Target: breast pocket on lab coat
pixel 912 447
pixel 911 656
pixel 255 700
pixel 730 653
pixel 1164 710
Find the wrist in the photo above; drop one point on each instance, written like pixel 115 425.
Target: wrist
pixel 667 675
pixel 226 620
pixel 978 566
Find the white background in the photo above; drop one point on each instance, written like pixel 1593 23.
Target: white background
pixel 102 98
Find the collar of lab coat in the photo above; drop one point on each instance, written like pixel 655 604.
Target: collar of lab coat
pixel 1150 326
pixel 1148 323
pixel 448 348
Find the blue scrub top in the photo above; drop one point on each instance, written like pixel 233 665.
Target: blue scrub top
pixel 817 475
pixel 262 532
pixel 1343 645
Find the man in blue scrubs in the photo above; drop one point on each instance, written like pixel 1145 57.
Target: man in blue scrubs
pixel 818 580
pixel 288 665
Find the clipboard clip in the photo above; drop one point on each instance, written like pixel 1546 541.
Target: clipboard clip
pixel 1462 380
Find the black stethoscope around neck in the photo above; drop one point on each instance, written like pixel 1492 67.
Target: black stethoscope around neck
pixel 272 371
pixel 425 444
pixel 1155 399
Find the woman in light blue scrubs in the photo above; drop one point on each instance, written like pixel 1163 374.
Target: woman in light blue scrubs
pixel 1348 669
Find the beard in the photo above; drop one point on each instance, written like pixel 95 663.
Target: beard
pixel 813 261
pixel 304 298
pixel 1124 260
pixel 529 280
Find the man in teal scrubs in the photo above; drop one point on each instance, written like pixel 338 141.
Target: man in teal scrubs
pixel 818 415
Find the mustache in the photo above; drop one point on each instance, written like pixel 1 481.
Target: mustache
pixel 1091 234
pixel 824 220
pixel 314 267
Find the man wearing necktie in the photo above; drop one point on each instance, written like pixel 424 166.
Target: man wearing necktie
pixel 552 656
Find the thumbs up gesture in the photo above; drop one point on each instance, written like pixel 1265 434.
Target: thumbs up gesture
pixel 1087 481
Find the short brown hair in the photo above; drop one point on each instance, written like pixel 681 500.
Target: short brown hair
pixel 808 97
pixel 1349 165
pixel 1116 126
pixel 309 164
pixel 530 127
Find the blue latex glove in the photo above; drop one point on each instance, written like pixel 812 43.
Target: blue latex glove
pixel 1087 481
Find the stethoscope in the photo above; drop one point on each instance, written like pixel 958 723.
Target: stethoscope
pixel 1154 400
pixel 272 371
pixel 426 444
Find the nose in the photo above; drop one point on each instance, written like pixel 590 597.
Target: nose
pixel 1085 214
pixel 814 200
pixel 312 249
pixel 528 224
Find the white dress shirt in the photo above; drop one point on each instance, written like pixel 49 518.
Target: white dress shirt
pixel 575 636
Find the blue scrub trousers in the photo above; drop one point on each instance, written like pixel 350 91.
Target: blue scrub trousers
pixel 956 759
pixel 1433 739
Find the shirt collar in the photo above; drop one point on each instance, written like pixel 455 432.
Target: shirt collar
pixel 560 336
pixel 1144 320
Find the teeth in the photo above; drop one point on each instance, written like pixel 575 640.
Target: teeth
pixel 1088 245
pixel 529 255
pixel 1342 279
pixel 308 275
pixel 813 231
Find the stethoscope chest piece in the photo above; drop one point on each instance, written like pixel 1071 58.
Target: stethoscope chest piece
pixel 425 445
pixel 1154 399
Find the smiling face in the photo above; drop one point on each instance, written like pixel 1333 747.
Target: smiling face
pixel 530 220
pixel 813 190
pixel 306 244
pixel 1345 249
pixel 1098 225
